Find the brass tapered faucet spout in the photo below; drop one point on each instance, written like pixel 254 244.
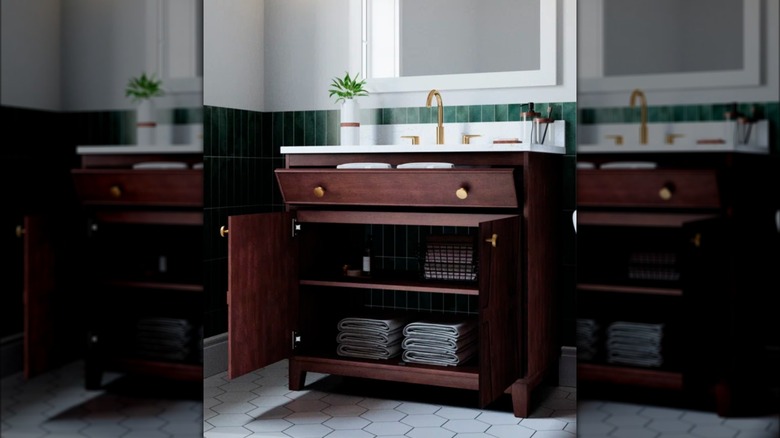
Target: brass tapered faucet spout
pixel 440 119
pixel 643 114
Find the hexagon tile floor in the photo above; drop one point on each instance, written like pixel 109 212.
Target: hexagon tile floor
pixel 260 405
pixel 603 419
pixel 57 405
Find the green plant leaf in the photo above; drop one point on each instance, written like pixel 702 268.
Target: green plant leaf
pixel 143 87
pixel 347 87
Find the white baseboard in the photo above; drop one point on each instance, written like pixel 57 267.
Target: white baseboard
pixel 567 367
pixel 215 355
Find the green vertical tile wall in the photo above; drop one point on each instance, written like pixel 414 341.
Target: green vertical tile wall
pixel 241 151
pixel 686 113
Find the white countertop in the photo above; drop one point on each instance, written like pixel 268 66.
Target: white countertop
pixel 645 148
pixel 141 149
pixel 405 148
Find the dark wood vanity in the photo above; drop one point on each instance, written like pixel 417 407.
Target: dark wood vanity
pixel 692 244
pixel 287 291
pixel 142 245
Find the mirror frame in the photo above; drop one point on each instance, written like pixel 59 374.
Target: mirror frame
pixel 749 74
pixel 546 75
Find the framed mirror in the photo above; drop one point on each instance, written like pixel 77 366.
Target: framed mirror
pixel 174 44
pixel 668 44
pixel 409 45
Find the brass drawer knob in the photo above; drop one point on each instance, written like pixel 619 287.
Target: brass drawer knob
pixel 492 241
pixel 19 231
pixel 319 191
pixel 223 231
pixel 462 193
pixel 115 191
pixel 665 193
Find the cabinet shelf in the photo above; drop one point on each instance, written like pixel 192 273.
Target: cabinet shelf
pixel 168 370
pixel 621 375
pixel 400 285
pixel 462 377
pixel 153 284
pixel 644 290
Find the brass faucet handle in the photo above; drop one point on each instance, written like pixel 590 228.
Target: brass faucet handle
pixel 618 139
pixel 670 138
pixel 467 138
pixel 415 138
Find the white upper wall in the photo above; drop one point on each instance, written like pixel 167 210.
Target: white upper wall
pixel 307 43
pixel 78 55
pixel 233 41
pixel 30 62
pixel 103 47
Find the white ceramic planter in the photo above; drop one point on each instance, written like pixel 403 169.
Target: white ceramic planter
pixel 146 122
pixel 350 122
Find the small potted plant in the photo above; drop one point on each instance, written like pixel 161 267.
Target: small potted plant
pixel 142 90
pixel 346 90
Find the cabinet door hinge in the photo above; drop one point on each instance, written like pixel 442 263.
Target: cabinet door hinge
pixel 296 227
pixel 296 339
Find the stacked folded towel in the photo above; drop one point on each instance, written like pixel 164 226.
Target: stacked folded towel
pixel 370 338
pixel 587 338
pixel 437 343
pixel 635 343
pixel 164 338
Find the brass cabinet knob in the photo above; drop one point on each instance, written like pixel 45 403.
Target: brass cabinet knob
pixel 19 231
pixel 462 193
pixel 492 241
pixel 665 193
pixel 319 191
pixel 115 191
pixel 223 231
pixel 696 240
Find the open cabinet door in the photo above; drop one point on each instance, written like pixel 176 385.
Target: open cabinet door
pixel 46 330
pixel 262 290
pixel 500 342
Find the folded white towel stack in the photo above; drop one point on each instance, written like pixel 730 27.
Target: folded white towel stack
pixel 438 343
pixel 370 338
pixel 635 343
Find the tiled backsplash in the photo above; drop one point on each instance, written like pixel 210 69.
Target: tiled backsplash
pixel 242 148
pixel 685 113
pixel 118 127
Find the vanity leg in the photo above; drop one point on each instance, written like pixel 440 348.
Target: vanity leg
pixel 521 398
pixel 297 376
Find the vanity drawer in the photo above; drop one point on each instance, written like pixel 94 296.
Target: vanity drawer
pixel 648 188
pixel 400 187
pixel 177 188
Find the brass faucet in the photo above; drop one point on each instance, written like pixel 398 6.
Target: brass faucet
pixel 440 120
pixel 643 114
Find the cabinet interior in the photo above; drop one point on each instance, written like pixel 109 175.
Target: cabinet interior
pixel 395 287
